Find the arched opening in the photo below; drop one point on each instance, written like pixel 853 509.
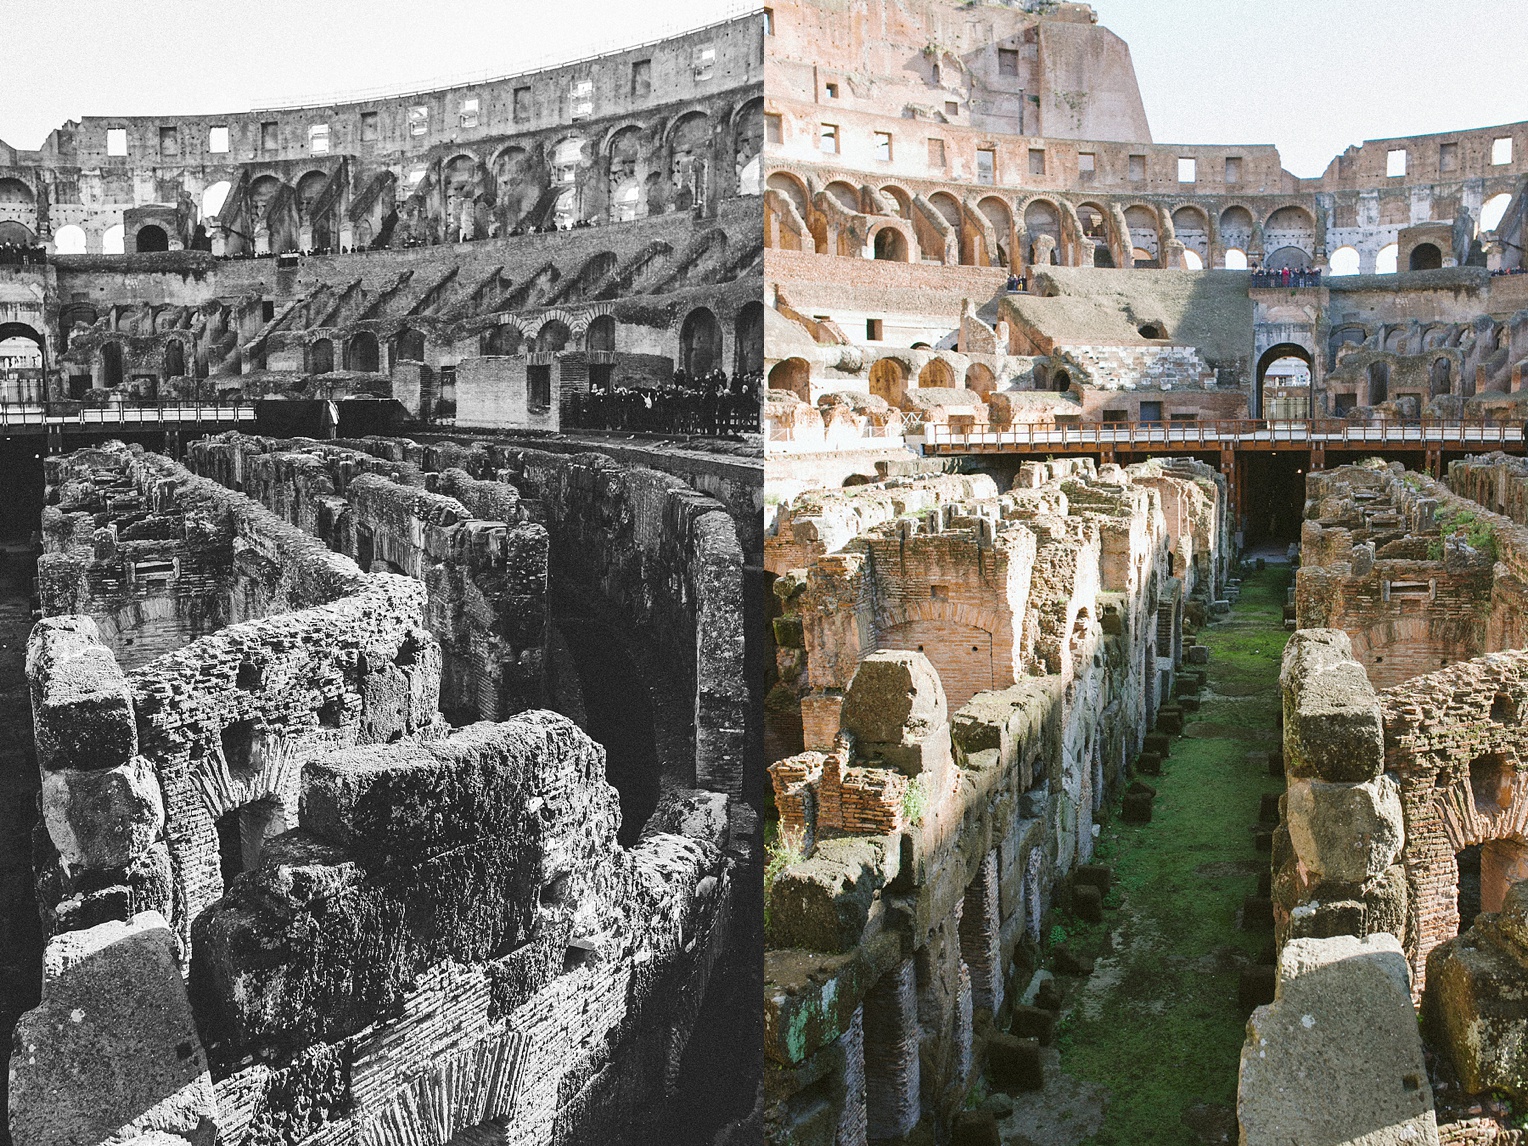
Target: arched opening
pixel 891 245
pixel 1440 379
pixel 1295 258
pixel 1042 222
pixel 553 337
pixel 410 345
pixel 21 363
pixel 1344 261
pixel 113 240
pixel 748 338
pixel 214 197
pixel 1492 210
pixel 790 188
pixel 888 380
pixel 567 158
pixel 1379 383
pixel 1284 376
pixel 1385 261
pixel 1145 239
pixel 321 356
pixel 502 340
pixel 748 181
pixel 1192 228
pixel 174 365
pixel 151 238
pixel 1152 330
pixel 996 212
pixel 1425 257
pixel 1236 259
pixel 111 364
pixel 599 338
pixel 363 353
pixel 845 195
pixel 69 240
pixel 901 201
pixel 793 374
pixel 979 379
pixel 700 343
pixel 936 374
pixel 1290 227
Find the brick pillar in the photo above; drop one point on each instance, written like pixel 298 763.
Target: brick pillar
pixel 852 1127
pixel 1502 863
pixel 891 1054
pixel 979 940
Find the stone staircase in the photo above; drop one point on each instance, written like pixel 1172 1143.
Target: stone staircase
pixel 1139 367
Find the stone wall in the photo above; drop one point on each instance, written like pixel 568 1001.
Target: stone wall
pixel 392 931
pixel 924 837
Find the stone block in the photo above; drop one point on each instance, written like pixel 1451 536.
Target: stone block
pixel 1268 808
pixel 1014 1063
pixel 823 903
pixel 974 1128
pixel 1345 833
pixel 112 1051
pixel 1255 986
pixel 82 711
pixel 1336 1057
pixel 1170 720
pixel 1257 913
pixel 1158 742
pixel 1333 724
pixel 1135 808
pixel 1099 875
pixel 1070 962
pixel 1198 654
pixel 1088 903
pixel 1148 764
pixel 103 820
pixel 1033 1023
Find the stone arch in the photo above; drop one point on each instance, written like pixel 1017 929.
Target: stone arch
pixel 409 345
pixel 1440 377
pixel 1273 354
pixel 1425 257
pixel 791 187
pixel 846 195
pixel 1295 258
pixel 947 206
pixel 901 198
pixel 889 243
pixel 502 340
pixel 1290 226
pixel 150 238
pixel 960 641
pixel 320 356
pixel 1191 226
pixel 937 374
pixel 363 353
pixel 748 338
pixel 1145 229
pixel 1236 228
pixel 888 380
pixel 552 336
pixel 112 363
pixel 700 343
pixel 793 374
pixel 996 211
pixel 979 379
pixel 1042 232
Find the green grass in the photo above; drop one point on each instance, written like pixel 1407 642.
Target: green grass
pixel 1158 1024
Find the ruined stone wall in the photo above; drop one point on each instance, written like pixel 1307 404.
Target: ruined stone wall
pixel 924 842
pixel 392 932
pixel 1416 575
pixel 485 571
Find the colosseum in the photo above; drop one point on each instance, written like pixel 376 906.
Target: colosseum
pixel 1147 706
pixel 381 701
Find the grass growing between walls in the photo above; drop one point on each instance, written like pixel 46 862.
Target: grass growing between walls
pixel 1158 1023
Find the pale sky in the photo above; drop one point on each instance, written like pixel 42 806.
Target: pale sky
pixel 63 60
pixel 1313 76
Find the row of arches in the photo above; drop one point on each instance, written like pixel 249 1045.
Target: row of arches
pixel 1054 230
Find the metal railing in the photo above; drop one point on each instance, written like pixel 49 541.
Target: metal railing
pixel 21 415
pixel 1250 432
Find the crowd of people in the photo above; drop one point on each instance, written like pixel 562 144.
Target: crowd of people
pixel 23 254
pixel 1015 284
pixel 1286 277
pixel 711 404
pixel 1510 271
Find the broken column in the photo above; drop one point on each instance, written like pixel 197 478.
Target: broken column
pixel 112 1051
pixel 1336 1057
pixel 1334 858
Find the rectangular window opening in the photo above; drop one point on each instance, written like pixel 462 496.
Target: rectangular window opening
pixel 641 79
pixel 1395 163
pixel 269 137
pixel 318 139
pixel 1188 169
pixel 773 131
pixel 116 141
pixel 1008 61
pixel 986 165
pixel 169 142
pixel 1037 161
pixel 468 116
pixel 369 129
pixel 1448 157
pixel 521 105
pixel 1137 169
pixel 217 140
pixel 1501 151
pixel 872 330
pixel 1087 162
pixel 883 146
pixel 419 120
pixel 936 153
pixel 1233 169
pixel 827 138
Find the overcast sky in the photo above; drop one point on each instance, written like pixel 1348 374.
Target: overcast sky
pixel 1314 76
pixel 1311 76
pixel 167 57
